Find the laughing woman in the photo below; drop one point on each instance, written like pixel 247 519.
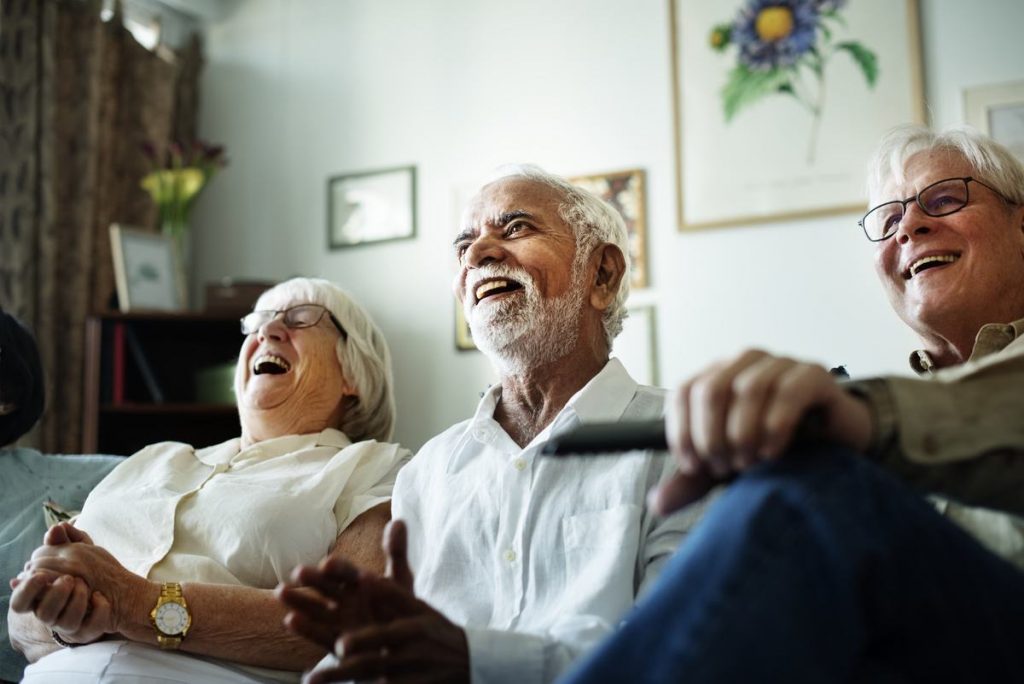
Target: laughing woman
pixel 167 574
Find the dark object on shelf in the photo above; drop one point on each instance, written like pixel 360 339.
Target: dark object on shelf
pixel 153 397
pixel 234 297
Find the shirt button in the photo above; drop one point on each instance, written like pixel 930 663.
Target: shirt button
pixel 519 464
pixel 510 556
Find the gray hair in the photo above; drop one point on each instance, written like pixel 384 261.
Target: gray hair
pixel 992 163
pixel 594 222
pixel 364 357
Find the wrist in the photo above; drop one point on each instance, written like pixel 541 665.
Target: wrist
pixel 131 615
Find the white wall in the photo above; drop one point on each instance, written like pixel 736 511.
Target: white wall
pixel 299 90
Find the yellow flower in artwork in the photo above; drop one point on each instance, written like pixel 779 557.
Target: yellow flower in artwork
pixel 774 23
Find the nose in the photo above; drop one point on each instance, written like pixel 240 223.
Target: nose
pixel 274 329
pixel 914 222
pixel 485 249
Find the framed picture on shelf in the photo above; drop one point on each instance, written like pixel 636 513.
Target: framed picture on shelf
pixel 371 206
pixel 998 111
pixel 463 336
pixel 777 108
pixel 626 191
pixel 146 270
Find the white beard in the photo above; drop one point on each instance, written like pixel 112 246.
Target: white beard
pixel 526 331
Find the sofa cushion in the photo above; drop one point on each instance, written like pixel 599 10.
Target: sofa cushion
pixel 30 478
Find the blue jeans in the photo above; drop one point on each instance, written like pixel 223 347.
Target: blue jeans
pixel 822 568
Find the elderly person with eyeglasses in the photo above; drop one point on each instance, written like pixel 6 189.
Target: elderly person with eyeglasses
pixel 821 563
pixel 167 573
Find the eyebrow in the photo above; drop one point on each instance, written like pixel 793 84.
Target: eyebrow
pixel 503 220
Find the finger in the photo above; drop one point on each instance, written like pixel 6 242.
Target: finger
pixel 753 388
pixel 56 535
pixel 327 584
pixel 680 490
pixel 677 430
pixel 29 590
pixel 52 602
pixel 99 620
pixel 377 637
pixel 371 666
pixel 307 602
pixel 319 633
pixel 70 619
pixel 799 389
pixel 711 401
pixel 396 548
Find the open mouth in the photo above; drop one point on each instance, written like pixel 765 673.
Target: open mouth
pixel 929 262
pixel 495 287
pixel 271 364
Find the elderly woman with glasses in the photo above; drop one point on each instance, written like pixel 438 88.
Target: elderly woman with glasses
pixel 822 561
pixel 167 574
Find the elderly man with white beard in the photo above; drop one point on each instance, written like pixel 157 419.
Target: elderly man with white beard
pixel 521 562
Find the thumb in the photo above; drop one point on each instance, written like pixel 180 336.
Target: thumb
pixel 396 547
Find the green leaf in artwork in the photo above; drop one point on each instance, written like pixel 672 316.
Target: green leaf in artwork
pixel 746 86
pixel 865 59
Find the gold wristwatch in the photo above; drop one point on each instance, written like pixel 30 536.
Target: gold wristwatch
pixel 170 616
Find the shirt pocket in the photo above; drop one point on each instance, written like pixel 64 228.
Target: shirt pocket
pixel 600 560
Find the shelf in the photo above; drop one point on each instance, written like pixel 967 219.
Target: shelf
pixel 171 408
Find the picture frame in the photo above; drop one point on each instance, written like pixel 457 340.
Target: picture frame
pixel 371 207
pixel 759 143
pixel 627 192
pixel 636 346
pixel 463 335
pixel 147 271
pixel 998 111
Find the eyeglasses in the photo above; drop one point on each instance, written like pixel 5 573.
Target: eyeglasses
pixel 941 198
pixel 301 316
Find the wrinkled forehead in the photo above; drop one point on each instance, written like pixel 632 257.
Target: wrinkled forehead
pixel 497 202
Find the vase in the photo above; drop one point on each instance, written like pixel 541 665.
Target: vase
pixel 176 230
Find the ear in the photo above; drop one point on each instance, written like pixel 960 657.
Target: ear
pixel 611 268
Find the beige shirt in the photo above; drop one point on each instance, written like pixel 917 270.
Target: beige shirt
pixel 229 515
pixel 959 432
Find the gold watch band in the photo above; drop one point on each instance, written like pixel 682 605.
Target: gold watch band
pixel 170 592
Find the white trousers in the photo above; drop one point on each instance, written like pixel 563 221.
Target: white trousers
pixel 127 662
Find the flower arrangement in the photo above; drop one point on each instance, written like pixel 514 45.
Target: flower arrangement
pixel 783 48
pixel 175 184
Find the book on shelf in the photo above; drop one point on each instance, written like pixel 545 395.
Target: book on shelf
pixel 149 378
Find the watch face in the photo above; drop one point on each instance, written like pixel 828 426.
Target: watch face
pixel 171 618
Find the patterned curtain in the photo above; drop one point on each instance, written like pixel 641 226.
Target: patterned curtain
pixel 78 97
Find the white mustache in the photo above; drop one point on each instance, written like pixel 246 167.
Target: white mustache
pixel 498 271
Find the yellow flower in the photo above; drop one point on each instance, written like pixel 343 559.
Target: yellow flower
pixel 173 186
pixel 774 23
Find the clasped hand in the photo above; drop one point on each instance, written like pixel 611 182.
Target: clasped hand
pixel 743 411
pixel 69 584
pixel 374 626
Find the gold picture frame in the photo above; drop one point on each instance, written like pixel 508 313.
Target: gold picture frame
pixel 749 149
pixel 627 192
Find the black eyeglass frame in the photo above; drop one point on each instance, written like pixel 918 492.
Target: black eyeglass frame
pixel 275 312
pixel 917 198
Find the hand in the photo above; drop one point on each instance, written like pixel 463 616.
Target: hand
pixel 120 589
pixel 64 604
pixel 744 411
pixel 397 636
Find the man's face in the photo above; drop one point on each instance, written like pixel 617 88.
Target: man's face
pixel 981 273
pixel 516 280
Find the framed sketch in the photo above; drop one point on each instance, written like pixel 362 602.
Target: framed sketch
pixel 463 335
pixel 778 106
pixel 371 206
pixel 636 345
pixel 626 191
pixel 146 270
pixel 998 111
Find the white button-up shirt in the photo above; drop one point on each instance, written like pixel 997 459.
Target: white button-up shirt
pixel 538 557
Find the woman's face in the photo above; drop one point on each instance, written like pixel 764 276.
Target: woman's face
pixel 292 372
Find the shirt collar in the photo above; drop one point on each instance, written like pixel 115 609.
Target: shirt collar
pixel 991 338
pixel 231 450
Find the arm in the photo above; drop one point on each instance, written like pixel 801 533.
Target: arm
pixel 237 623
pixel 958 433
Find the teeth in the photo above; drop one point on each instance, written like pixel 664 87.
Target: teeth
pixel 271 358
pixel 945 259
pixel 488 286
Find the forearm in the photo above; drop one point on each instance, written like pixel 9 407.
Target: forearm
pixel 30 636
pixel 235 623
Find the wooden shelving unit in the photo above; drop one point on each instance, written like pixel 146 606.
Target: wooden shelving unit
pixel 140 380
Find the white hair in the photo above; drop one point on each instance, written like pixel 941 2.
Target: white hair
pixel 992 163
pixel 594 222
pixel 364 356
